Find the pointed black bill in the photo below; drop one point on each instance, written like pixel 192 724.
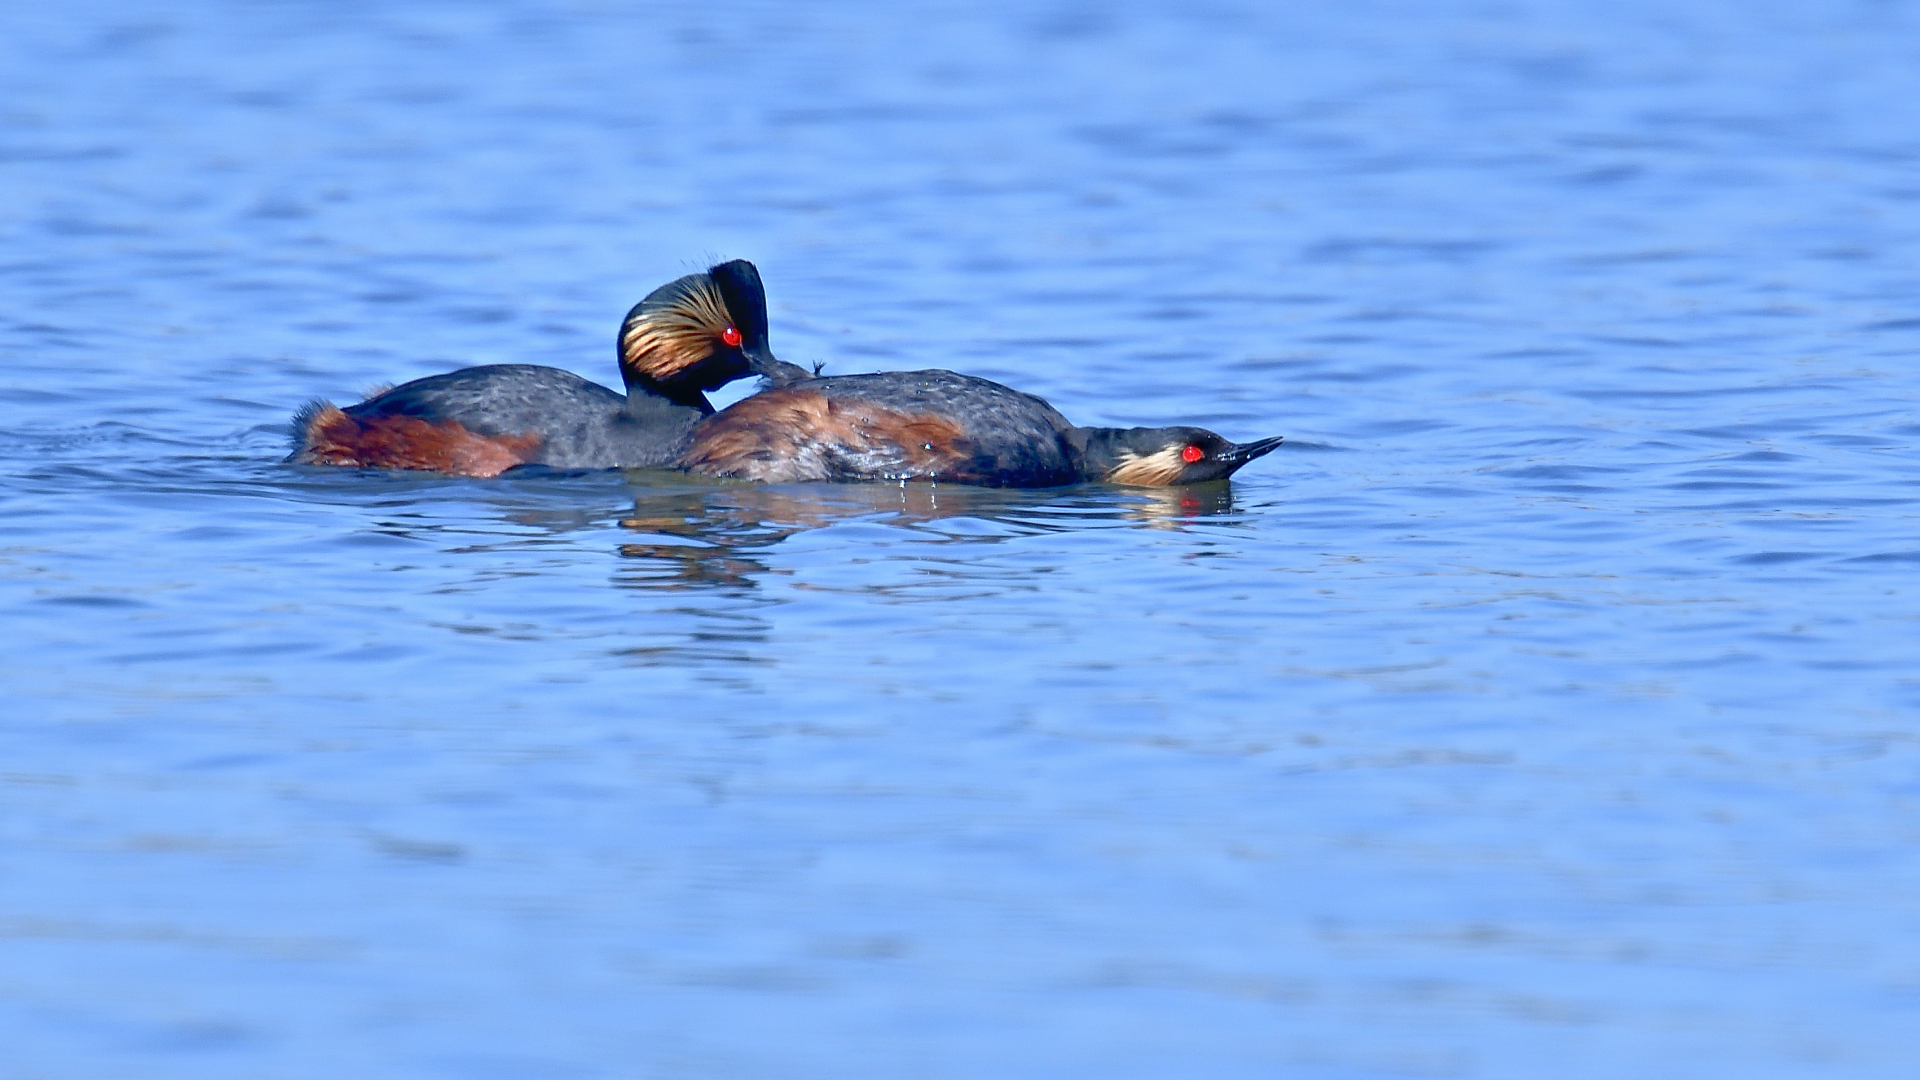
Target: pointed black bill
pixel 770 367
pixel 1245 452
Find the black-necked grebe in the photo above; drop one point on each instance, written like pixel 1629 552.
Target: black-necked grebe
pixel 687 337
pixel 940 426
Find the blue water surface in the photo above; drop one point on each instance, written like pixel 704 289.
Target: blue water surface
pixel 1549 706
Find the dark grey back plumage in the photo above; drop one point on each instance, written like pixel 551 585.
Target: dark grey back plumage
pixel 581 424
pixel 1012 438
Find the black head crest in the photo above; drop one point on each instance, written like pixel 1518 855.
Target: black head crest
pixel 745 297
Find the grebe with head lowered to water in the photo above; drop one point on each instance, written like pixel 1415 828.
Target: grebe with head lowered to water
pixel 940 426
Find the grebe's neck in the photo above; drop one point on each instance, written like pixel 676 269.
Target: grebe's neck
pixel 646 397
pixel 1102 449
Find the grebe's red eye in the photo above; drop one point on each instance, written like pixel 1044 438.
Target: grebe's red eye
pixel 731 336
pixel 1192 454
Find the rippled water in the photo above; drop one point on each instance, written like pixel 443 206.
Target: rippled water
pixel 1545 708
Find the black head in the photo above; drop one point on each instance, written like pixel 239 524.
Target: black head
pixel 1160 457
pixel 698 333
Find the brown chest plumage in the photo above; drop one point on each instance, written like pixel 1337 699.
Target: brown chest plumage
pixel 800 433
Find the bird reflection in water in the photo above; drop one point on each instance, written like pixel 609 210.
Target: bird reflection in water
pixel 715 536
pixel 1173 507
